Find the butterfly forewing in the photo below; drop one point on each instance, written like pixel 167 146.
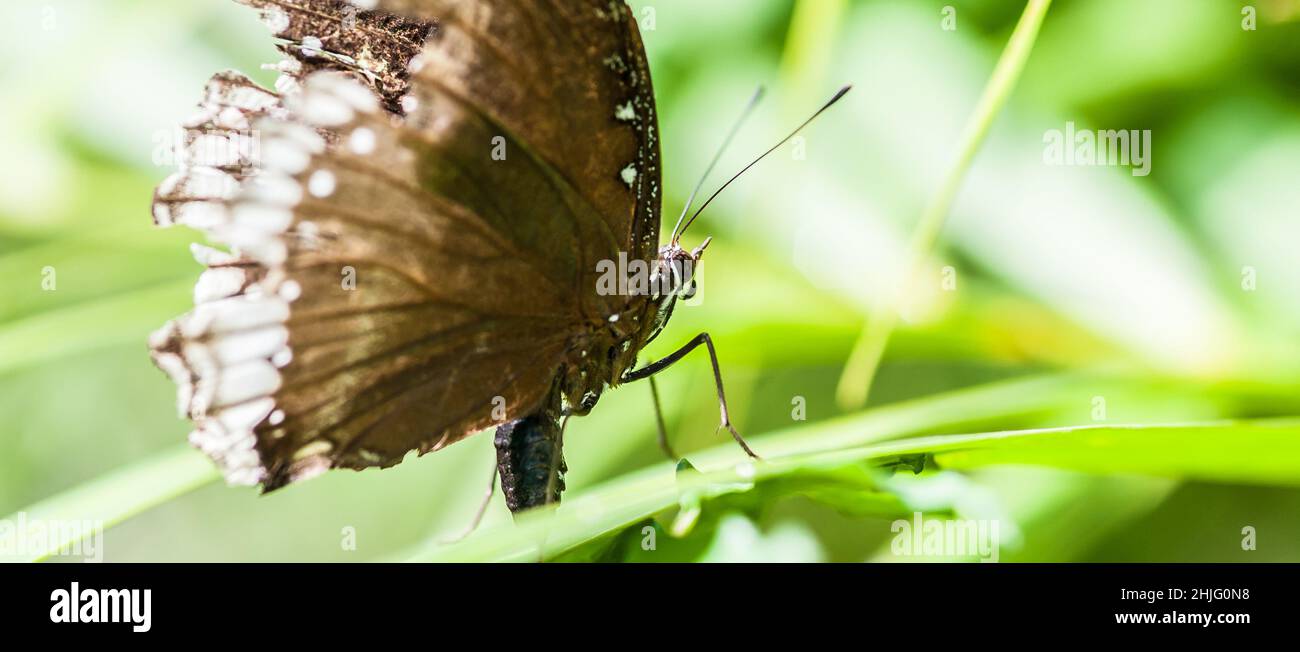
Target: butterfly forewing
pixel 568 79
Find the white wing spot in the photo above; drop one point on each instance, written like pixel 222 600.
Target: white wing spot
pixel 321 183
pixel 313 449
pixel 311 46
pixel 629 175
pixel 276 19
pixel 362 141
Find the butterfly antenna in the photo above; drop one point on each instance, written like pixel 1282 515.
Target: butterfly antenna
pixel 785 140
pixel 749 108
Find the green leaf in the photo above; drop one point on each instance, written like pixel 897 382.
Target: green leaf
pixel 91 267
pixel 1246 452
pixel 1263 452
pixel 82 327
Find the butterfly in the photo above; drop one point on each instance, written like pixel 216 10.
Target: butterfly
pixel 417 220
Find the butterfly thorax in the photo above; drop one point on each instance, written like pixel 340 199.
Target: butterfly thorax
pixel 609 348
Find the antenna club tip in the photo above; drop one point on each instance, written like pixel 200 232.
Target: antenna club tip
pixel 699 251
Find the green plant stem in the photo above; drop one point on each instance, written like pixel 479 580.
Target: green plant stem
pixel 807 55
pixel 855 383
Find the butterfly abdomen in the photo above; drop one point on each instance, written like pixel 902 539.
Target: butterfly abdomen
pixel 530 461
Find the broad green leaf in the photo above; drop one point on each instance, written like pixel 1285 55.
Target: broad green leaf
pixel 1264 452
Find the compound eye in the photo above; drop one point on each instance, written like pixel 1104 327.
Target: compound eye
pixel 678 273
pixel 683 275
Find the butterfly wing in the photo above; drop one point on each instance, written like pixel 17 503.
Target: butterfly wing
pixel 569 77
pixel 393 283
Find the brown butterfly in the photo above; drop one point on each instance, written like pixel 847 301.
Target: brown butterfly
pixel 417 218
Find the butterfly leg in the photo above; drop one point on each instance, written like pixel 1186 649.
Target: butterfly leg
pixel 478 515
pixel 555 479
pixel 668 361
pixel 659 421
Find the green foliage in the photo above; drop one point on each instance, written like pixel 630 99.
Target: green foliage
pixel 119 495
pixel 1074 289
pixel 1243 452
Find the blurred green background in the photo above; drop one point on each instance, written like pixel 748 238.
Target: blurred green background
pixel 1135 281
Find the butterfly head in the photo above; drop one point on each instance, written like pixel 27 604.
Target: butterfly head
pixel 675 270
pixel 673 276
